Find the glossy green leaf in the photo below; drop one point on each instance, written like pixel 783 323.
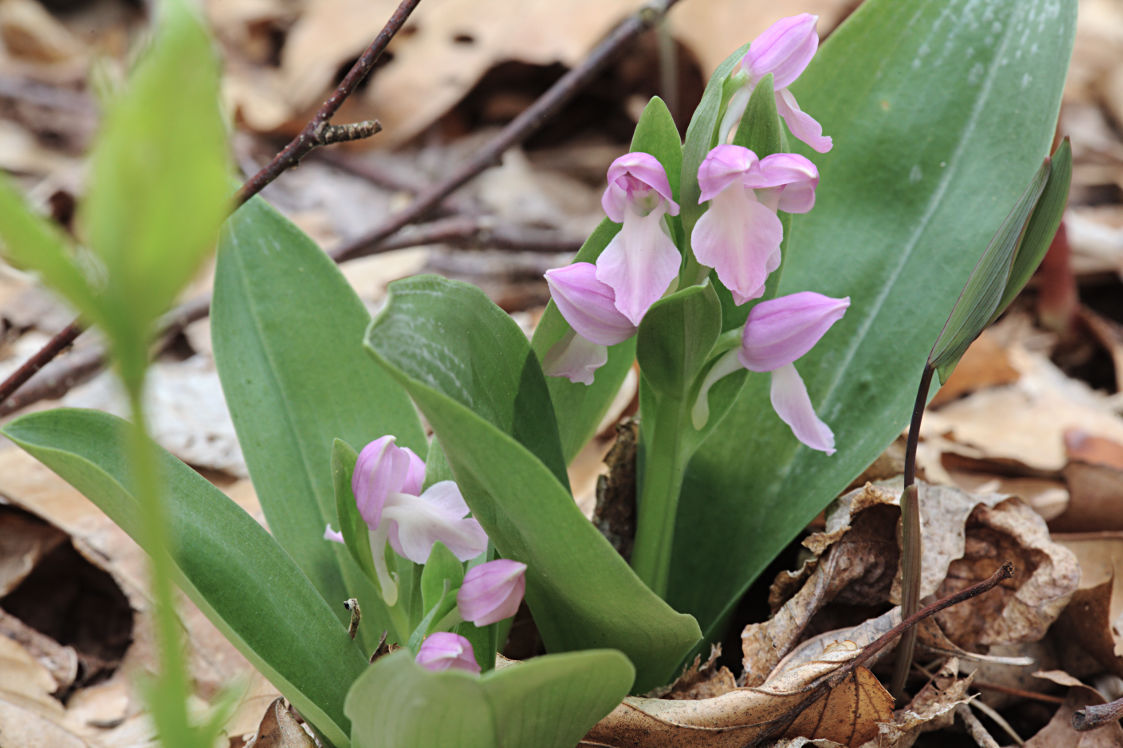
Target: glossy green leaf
pixel 940 114
pixel 675 337
pixel 287 331
pixel 975 307
pixel 546 702
pixel 441 567
pixel 476 380
pixel 231 568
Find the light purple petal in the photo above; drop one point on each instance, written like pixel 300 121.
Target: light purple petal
pixel 785 181
pixel 740 239
pixel 784 50
pixel 639 264
pixel 792 404
pixel 723 166
pixel 588 305
pixel 381 469
pixel 444 650
pixel 639 181
pixel 332 535
pixel 415 475
pixel 437 515
pixel 574 358
pixel 492 591
pixel 802 125
pixel 781 330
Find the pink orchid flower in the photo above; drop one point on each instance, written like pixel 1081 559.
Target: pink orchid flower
pixel 589 306
pixel 641 261
pixel 739 236
pixel 387 485
pixel 784 50
pixel 778 332
pixel 492 591
pixel 444 650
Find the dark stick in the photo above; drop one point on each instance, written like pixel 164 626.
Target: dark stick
pixel 826 683
pixel 910 539
pixel 516 131
pixel 1097 715
pixel 316 133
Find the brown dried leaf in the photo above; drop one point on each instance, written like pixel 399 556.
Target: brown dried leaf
pixel 1060 734
pixel 1022 608
pixel 1085 633
pixel 280 728
pixel 985 364
pixel 848 714
pixel 932 708
pixel 700 681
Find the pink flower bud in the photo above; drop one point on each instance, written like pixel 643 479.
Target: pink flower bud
pixel 637 181
pixel 492 591
pixel 784 49
pixel 588 305
pixel 781 330
pixel 444 650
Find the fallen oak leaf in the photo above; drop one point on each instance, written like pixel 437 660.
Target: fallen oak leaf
pixel 753 716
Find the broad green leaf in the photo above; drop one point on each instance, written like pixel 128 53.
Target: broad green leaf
pixel 230 566
pixel 546 702
pixel 976 304
pixel 351 524
pixel 675 337
pixel 159 178
pixel 701 136
pixel 442 566
pixel 921 100
pixel 476 380
pixel 287 331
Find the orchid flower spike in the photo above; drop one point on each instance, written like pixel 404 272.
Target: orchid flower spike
pixel 491 592
pixel 444 650
pixel 778 332
pixel 641 261
pixel 784 50
pixel 739 236
pixel 589 306
pixel 387 485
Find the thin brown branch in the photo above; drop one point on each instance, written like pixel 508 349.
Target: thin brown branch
pixel 834 678
pixel 528 122
pixel 517 130
pixel 316 133
pixel 460 231
pixel 1097 715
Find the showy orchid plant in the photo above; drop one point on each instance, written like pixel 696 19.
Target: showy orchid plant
pixel 779 289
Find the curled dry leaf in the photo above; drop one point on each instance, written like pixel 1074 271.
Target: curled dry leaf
pixel 1086 633
pixel 965 538
pixel 700 681
pixel 1059 733
pixel 848 714
pixel 1094 476
pixel 280 728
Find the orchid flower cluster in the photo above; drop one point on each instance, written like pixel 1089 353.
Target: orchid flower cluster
pixel 738 237
pixel 400 516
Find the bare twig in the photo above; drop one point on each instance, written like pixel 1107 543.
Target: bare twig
pixel 820 687
pixel 1097 715
pixel 319 131
pixel 517 130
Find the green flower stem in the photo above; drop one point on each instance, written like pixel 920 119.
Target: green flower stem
pixel 168 694
pixel 664 464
